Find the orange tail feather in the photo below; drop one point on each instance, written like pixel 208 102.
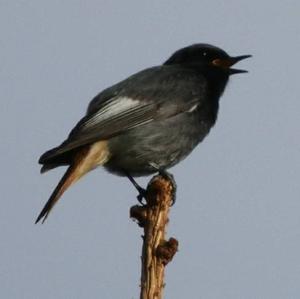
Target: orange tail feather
pixel 66 181
pixel 85 160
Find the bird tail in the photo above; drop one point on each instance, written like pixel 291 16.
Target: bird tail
pixel 85 160
pixel 69 178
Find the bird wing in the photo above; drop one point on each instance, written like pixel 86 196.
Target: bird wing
pixel 150 95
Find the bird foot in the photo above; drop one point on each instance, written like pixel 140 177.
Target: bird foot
pixel 142 195
pixel 168 176
pixel 142 192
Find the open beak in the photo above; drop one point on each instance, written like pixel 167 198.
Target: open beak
pixel 230 61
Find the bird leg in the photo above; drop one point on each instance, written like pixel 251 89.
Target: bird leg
pixel 142 192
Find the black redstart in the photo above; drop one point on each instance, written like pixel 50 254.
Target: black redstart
pixel 147 122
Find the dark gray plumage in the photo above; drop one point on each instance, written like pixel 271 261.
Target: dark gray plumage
pixel 150 121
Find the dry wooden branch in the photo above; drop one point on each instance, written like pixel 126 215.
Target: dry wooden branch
pixel 156 252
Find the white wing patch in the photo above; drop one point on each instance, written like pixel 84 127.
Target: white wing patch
pixel 115 107
pixel 193 108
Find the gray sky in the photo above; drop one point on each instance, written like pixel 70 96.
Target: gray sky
pixel 237 215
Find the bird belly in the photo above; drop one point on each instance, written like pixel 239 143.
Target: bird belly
pixel 159 144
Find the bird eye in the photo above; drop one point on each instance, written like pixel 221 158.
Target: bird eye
pixel 204 53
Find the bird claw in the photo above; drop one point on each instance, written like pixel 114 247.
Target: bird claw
pixel 168 176
pixel 142 195
pixel 143 192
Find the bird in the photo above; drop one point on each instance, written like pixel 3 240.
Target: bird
pixel 148 122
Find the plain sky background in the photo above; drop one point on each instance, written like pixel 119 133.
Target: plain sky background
pixel 237 215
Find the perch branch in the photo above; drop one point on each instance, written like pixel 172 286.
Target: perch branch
pixel 156 252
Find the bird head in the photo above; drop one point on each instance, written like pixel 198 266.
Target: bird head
pixel 206 55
